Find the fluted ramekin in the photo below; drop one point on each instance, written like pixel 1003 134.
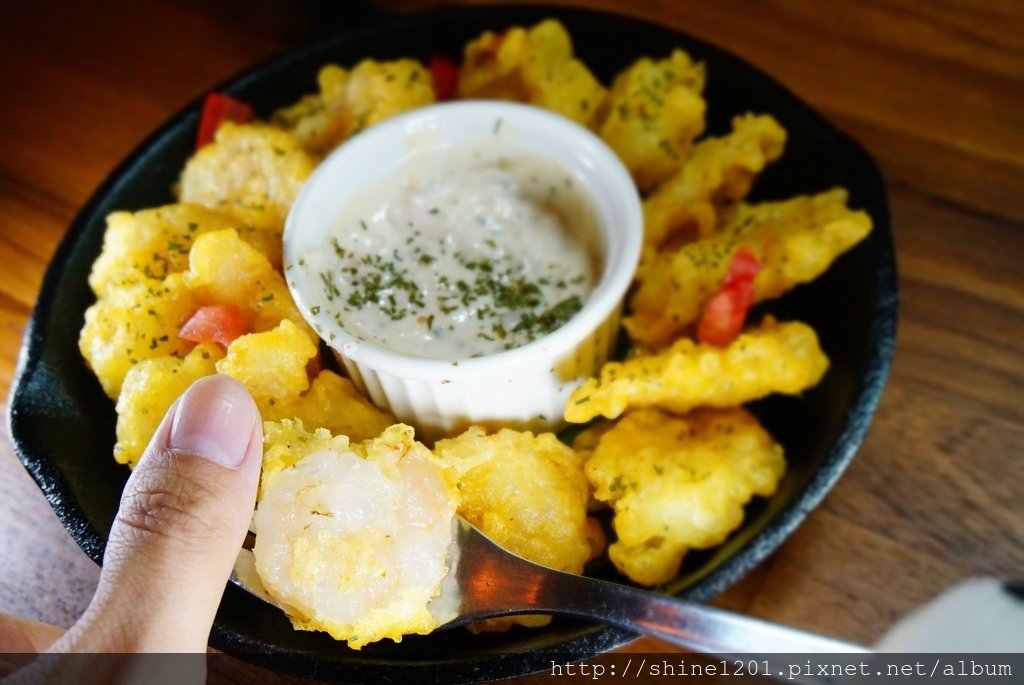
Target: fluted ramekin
pixel 525 387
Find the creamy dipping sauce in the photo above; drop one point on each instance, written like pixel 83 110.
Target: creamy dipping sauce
pixel 468 252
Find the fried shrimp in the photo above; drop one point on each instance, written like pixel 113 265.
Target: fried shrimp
pixel 272 364
pixel 353 539
pixel 134 323
pixel 251 171
pixel 679 483
pixel 795 240
pixel 534 65
pixel 334 403
pixel 654 112
pixel 223 269
pixel 149 389
pixel 350 101
pixel 528 493
pixel 150 244
pixel 772 358
pixel 718 173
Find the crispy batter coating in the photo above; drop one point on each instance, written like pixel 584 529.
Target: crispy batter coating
pixel 251 171
pixel 149 390
pixel 286 441
pixel 353 539
pixel 528 493
pixel 718 173
pixel 350 101
pixel 679 483
pixel 332 402
pixel 271 364
pixel 153 243
pixel 654 112
pixel 533 65
pixel 133 323
pixel 773 358
pixel 223 269
pixel 796 241
pixel 140 320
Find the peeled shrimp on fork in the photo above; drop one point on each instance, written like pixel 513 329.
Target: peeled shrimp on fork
pixel 369 546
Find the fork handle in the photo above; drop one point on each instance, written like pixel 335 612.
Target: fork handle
pixel 694 626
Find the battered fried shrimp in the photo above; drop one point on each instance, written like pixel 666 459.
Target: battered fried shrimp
pixel 141 320
pixel 272 364
pixel 332 402
pixel 795 240
pixel 223 269
pixel 654 112
pixel 353 539
pixel 772 358
pixel 528 493
pixel 535 66
pixel 151 244
pixel 718 173
pixel 149 390
pixel 251 171
pixel 679 483
pixel 134 323
pixel 350 101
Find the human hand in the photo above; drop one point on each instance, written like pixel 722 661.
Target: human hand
pixel 183 516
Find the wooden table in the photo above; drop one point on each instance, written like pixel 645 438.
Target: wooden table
pixel 933 89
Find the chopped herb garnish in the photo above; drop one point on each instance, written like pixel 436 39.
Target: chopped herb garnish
pixel 437 284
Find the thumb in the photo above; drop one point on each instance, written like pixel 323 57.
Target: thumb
pixel 183 517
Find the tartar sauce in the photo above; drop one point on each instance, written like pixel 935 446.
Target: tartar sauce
pixel 468 252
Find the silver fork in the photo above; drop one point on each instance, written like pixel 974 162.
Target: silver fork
pixel 486 580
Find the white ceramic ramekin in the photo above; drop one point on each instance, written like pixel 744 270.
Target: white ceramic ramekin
pixel 525 387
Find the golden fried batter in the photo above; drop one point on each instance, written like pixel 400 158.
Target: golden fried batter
pixel 332 402
pixel 133 323
pixel 140 320
pixel 153 243
pixel 223 269
pixel 718 173
pixel 350 101
pixel 773 358
pixel 353 539
pixel 149 390
pixel 796 240
pixel 251 171
pixel 271 364
pixel 534 66
pixel 679 483
pixel 654 112
pixel 528 493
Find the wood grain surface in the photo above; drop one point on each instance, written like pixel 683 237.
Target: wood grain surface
pixel 933 89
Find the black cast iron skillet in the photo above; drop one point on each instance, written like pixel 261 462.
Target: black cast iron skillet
pixel 62 424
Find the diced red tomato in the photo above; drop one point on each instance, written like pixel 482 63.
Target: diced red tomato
pixel 218 108
pixel 743 267
pixel 726 311
pixel 446 77
pixel 219 323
